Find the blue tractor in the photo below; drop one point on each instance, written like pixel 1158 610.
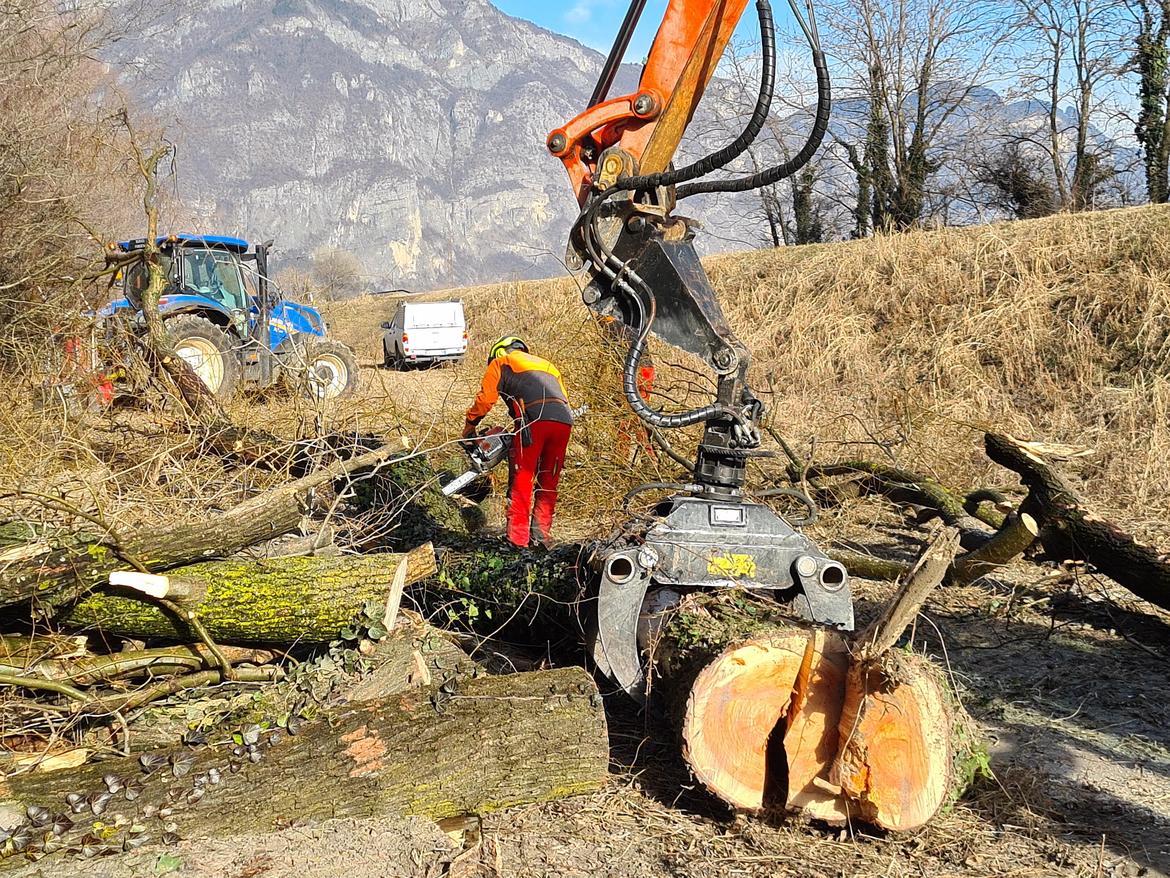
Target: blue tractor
pixel 229 322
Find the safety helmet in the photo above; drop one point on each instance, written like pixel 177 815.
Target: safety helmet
pixel 505 344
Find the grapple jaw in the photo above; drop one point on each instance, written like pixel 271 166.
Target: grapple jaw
pixel 705 543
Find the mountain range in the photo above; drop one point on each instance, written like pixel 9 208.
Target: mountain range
pixel 411 133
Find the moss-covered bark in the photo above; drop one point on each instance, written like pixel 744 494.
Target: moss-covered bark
pixel 278 600
pixel 469 746
pixel 56 569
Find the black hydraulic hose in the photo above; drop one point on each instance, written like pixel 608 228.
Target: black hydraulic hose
pixel 737 147
pixel 659 419
pixel 790 167
pixel 621 278
pixel 614 60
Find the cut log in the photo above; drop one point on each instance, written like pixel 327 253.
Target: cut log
pixel 1070 530
pixel 471 746
pixel 896 733
pixel 754 697
pixel 1016 534
pixel 54 572
pixel 896 742
pixel 274 601
pixel 775 714
pixel 760 729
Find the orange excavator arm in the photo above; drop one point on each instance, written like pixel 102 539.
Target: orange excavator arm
pixel 649 124
pixel 645 277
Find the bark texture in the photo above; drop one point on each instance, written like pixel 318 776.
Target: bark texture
pixel 277 600
pixel 471 746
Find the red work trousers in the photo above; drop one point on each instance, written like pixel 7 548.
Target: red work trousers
pixel 536 465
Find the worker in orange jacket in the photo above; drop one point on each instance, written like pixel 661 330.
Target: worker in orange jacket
pixel 536 399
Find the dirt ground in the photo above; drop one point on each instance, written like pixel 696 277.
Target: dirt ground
pixel 1065 676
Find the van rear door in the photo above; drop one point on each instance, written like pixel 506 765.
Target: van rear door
pixel 435 328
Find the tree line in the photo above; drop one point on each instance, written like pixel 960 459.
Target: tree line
pixel 962 111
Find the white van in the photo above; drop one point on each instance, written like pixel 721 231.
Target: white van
pixel 425 332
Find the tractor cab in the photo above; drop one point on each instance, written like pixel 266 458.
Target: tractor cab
pixel 229 322
pixel 207 268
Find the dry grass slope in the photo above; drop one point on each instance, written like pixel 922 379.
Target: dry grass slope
pixel 905 347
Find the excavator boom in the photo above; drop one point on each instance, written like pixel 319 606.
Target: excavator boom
pixel 644 273
pixel 648 125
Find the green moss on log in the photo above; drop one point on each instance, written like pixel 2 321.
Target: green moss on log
pixel 277 600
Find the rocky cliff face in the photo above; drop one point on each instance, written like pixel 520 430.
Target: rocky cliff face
pixel 410 132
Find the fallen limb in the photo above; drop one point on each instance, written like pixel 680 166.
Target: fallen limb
pixel 1070 530
pixel 52 573
pixel 87 670
pixel 1015 535
pixel 908 487
pixel 470 746
pixel 891 623
pixel 275 601
pixel 870 566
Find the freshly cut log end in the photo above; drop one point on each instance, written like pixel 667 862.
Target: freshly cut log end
pixel 755 699
pixel 811 736
pixel 896 750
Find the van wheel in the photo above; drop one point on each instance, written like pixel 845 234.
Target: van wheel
pixel 331 370
pixel 207 349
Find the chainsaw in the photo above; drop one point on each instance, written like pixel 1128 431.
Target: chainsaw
pixel 485 451
pixel 489 449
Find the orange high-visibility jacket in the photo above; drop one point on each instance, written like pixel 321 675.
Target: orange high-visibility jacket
pixel 531 387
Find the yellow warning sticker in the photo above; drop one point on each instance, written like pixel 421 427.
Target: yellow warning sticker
pixel 732 566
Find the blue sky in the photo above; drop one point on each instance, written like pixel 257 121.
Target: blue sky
pixel 595 22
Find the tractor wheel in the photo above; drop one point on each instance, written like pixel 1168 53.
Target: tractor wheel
pixel 331 369
pixel 207 349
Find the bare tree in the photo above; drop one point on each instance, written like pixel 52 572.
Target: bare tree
pixel 913 65
pixel 1069 52
pixel 336 272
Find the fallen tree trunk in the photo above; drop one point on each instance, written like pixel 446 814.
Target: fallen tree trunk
pixel 471 746
pixel 273 601
pixel 52 572
pixel 1070 530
